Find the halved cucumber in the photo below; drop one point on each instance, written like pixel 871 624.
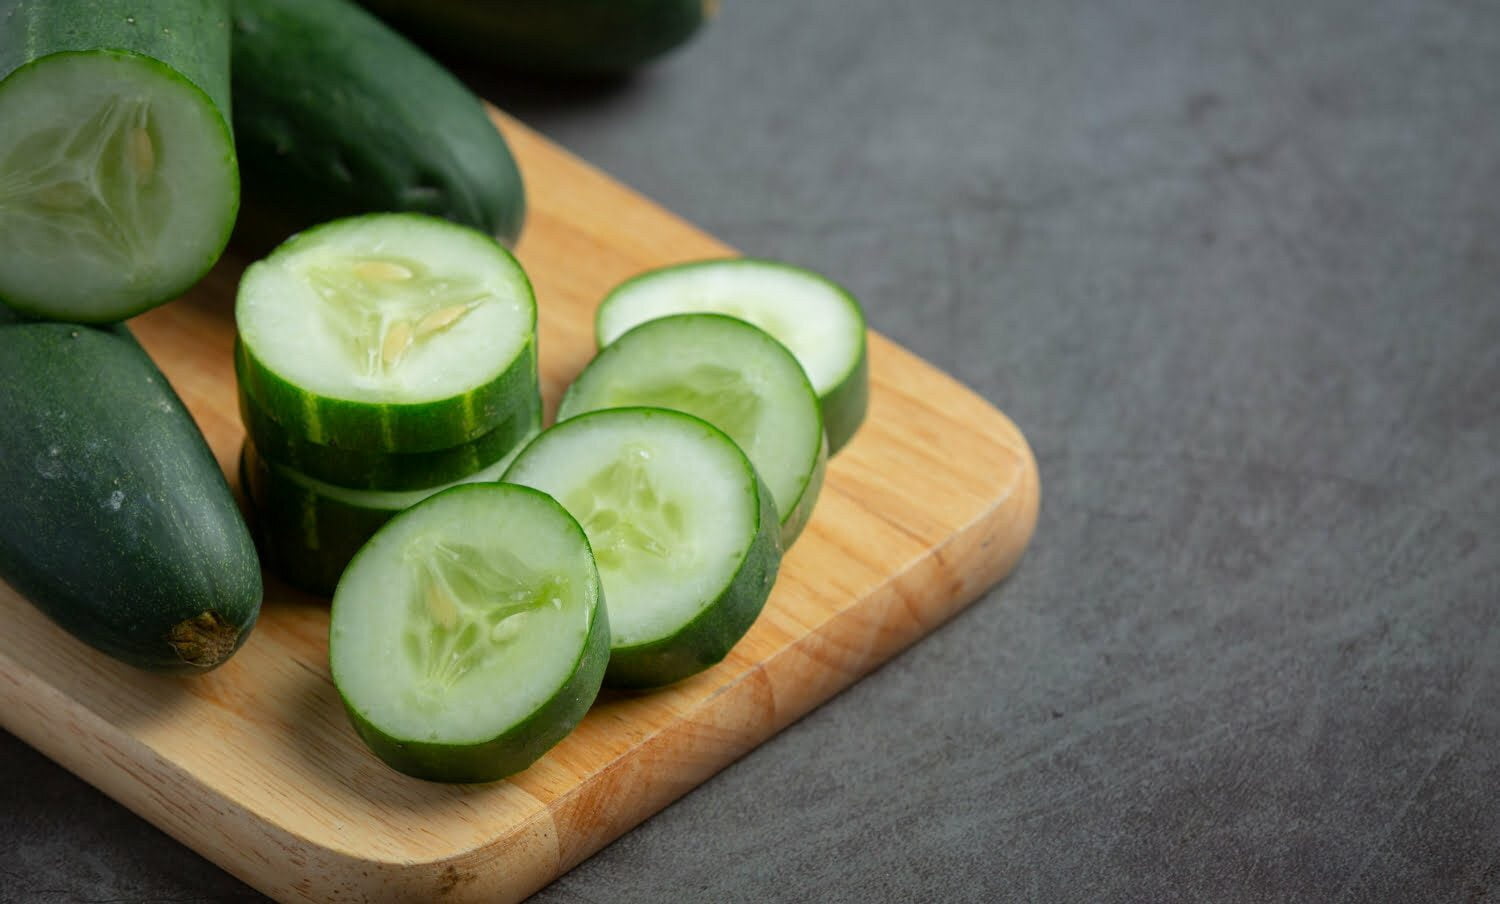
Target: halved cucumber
pixel 388 332
pixel 309 529
pixel 361 470
pixel 469 635
pixel 816 319
pixel 685 534
pixel 732 375
pixel 118 182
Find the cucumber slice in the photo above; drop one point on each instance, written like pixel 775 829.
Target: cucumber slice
pixel 685 533
pixel 118 183
pixel 732 375
pixel 816 319
pixel 469 635
pixel 361 470
pixel 388 332
pixel 309 529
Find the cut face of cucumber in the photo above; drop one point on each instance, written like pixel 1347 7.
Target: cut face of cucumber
pixel 469 636
pixel 393 332
pixel 732 375
pixel 817 320
pixel 309 529
pixel 684 533
pixel 118 185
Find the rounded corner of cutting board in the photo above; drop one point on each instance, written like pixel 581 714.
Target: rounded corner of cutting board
pixel 974 442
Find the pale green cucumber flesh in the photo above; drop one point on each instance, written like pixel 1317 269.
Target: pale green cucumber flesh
pixel 817 320
pixel 118 185
pixel 731 374
pixel 685 534
pixel 388 332
pixel 469 635
pixel 309 529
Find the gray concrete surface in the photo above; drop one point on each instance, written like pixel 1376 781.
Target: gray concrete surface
pixel 1235 269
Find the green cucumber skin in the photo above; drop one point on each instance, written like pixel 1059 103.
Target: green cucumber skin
pixel 129 529
pixel 187 39
pixel 336 114
pixel 707 639
pixel 558 37
pixel 845 406
pixel 361 470
pixel 9 317
pixel 306 540
pixel 190 37
pixel 525 742
pixel 421 427
pixel 793 523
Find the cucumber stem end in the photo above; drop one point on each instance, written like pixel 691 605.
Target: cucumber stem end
pixel 204 640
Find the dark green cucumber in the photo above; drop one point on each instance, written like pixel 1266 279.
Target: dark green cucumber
pixel 470 635
pixel 364 470
pixel 562 37
pixel 114 517
pixel 336 114
pixel 118 181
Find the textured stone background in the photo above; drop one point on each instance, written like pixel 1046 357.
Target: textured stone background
pixel 1235 269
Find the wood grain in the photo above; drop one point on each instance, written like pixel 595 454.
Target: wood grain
pixel 255 765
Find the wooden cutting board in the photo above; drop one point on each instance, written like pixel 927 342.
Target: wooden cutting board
pixel 255 766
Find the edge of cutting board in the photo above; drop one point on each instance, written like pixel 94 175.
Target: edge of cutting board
pixel 933 503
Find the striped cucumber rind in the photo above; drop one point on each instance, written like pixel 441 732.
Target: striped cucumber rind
pixel 733 375
pixel 818 320
pixel 388 332
pixel 469 635
pixel 310 529
pixel 364 470
pixel 685 533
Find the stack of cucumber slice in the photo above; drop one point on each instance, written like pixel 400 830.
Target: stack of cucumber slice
pixel 381 359
pixel 384 359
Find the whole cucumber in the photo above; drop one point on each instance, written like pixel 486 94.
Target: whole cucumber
pixel 114 517
pixel 336 114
